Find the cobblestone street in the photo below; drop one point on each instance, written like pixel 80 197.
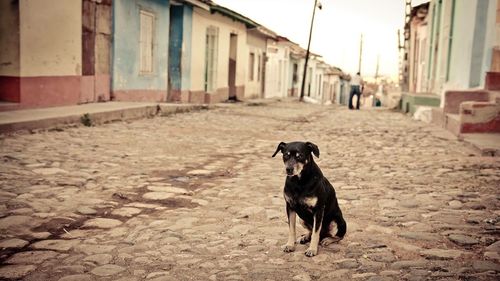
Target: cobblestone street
pixel 197 196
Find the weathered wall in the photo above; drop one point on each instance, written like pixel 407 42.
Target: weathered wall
pixel 63 52
pixel 127 82
pixel 9 38
pixel 9 51
pixel 51 43
pixel 96 50
pixel 46 65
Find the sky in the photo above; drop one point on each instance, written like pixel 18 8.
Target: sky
pixel 337 28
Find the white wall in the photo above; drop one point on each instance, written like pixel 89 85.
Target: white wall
pixel 462 44
pixel 277 68
pixel 422 60
pixel 9 39
pixel 203 19
pixel 311 72
pixel 256 45
pixel 463 34
pixel 492 37
pixel 51 40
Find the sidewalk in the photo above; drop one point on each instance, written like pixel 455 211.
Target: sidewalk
pixel 486 144
pixel 92 113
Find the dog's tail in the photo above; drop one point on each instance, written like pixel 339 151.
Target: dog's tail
pixel 341 226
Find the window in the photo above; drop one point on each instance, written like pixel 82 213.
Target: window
pixel 309 81
pixel 251 62
pixel 319 84
pixel 280 74
pixel 211 58
pixel 295 77
pixel 259 61
pixel 146 42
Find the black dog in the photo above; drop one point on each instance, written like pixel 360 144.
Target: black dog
pixel 309 194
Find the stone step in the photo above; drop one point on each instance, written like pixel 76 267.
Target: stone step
pixel 452 123
pixel 438 117
pixel 492 81
pixel 5 106
pixel 480 117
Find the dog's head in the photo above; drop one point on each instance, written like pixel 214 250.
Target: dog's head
pixel 296 155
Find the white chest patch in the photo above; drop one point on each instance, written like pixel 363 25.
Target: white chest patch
pixel 310 201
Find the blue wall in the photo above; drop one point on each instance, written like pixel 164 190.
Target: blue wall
pixel 179 60
pixel 126 31
pixel 186 56
pixel 175 46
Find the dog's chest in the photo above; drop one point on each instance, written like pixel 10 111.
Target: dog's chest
pixel 299 201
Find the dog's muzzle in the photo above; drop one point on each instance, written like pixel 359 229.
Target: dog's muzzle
pixel 289 171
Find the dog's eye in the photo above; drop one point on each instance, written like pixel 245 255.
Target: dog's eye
pixel 288 153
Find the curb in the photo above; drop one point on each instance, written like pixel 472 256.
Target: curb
pixel 480 148
pixel 98 118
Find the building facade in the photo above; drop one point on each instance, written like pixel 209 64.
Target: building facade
pixel 462 37
pixel 458 65
pixel 257 60
pixel 54 53
pixel 219 68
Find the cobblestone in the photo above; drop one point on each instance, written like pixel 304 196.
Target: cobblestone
pixel 197 196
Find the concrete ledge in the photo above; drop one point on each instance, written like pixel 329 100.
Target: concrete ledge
pixel 94 114
pixel 453 124
pixel 438 117
pixel 410 101
pixel 485 144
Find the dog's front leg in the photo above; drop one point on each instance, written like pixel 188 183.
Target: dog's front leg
pixel 317 223
pixel 290 244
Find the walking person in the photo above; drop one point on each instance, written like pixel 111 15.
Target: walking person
pixel 356 89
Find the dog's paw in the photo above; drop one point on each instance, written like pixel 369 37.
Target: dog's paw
pixel 288 248
pixel 329 240
pixel 304 239
pixel 311 252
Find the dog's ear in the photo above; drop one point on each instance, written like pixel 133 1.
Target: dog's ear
pixel 279 148
pixel 314 148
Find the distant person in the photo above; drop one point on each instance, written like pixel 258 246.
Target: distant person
pixel 356 89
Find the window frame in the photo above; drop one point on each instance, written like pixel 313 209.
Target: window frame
pixel 251 66
pixel 147 67
pixel 211 57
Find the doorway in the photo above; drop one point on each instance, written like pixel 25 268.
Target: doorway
pixel 263 78
pixel 233 43
pixel 175 53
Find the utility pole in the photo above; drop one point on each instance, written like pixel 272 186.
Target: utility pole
pixel 401 70
pixel 307 52
pixel 376 69
pixel 360 52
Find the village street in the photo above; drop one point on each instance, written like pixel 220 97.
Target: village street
pixel 197 196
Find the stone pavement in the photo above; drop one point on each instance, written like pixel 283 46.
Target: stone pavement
pixel 197 196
